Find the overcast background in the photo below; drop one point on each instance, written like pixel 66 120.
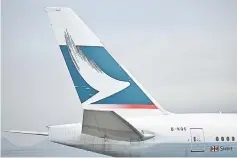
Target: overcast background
pixel 183 52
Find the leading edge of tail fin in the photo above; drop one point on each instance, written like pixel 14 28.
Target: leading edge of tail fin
pixel 98 79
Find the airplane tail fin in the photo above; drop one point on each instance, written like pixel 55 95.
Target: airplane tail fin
pixel 99 80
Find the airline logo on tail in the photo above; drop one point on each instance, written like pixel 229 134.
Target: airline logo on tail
pixel 97 77
pixel 92 73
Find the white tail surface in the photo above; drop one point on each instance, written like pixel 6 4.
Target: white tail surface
pixel 98 79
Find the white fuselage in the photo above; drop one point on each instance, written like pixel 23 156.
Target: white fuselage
pixel 175 135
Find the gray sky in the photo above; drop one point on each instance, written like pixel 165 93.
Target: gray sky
pixel 183 52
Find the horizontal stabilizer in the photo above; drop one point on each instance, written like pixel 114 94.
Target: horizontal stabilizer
pixel 108 124
pixel 28 132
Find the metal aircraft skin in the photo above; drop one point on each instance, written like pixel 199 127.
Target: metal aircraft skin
pixel 106 90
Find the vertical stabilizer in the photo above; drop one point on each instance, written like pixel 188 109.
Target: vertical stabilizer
pixel 99 80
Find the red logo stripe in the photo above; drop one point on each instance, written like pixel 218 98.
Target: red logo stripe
pixel 134 106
